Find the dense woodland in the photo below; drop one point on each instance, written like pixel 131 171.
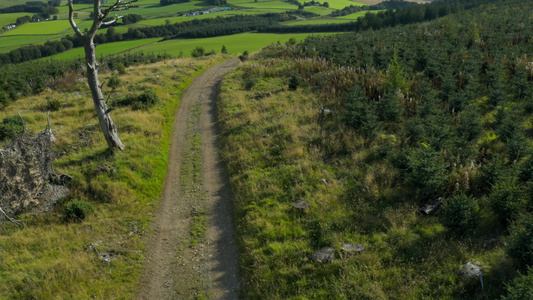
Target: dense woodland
pixel 416 115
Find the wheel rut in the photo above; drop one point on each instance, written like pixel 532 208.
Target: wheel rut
pixel 192 252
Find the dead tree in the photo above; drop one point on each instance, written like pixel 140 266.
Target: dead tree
pixel 106 123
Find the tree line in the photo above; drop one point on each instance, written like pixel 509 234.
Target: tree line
pixel 188 29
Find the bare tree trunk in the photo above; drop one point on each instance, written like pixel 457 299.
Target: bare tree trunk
pixel 106 123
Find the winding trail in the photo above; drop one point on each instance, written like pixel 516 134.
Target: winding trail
pixel 197 196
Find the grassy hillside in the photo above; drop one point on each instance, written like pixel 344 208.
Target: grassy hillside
pixel 49 256
pixel 368 128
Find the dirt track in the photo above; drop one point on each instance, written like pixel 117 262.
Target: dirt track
pixel 178 266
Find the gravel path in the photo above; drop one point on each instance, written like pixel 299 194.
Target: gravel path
pixel 196 200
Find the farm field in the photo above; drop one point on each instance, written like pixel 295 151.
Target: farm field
pixel 359 14
pixel 265 6
pixel 6 3
pixel 46 28
pixel 340 4
pixel 8 43
pixel 318 22
pixel 235 44
pixel 6 19
pixel 106 49
pixel 162 21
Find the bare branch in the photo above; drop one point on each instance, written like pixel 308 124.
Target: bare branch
pixel 24 128
pixel 113 21
pixel 108 97
pixel 109 110
pixel 14 221
pixel 71 19
pixel 103 83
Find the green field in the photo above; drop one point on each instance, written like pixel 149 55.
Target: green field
pixel 8 43
pixel 235 44
pixel 6 19
pixel 46 28
pixel 357 15
pixel 162 21
pixel 340 4
pixel 153 9
pixel 319 10
pixel 106 49
pixel 318 22
pixel 265 5
pixel 6 3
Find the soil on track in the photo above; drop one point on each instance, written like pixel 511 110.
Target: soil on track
pixel 178 266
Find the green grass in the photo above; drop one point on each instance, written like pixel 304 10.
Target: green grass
pixel 359 14
pixel 153 9
pixel 8 43
pixel 162 21
pixel 6 19
pixel 318 22
pixel 235 44
pixel 265 5
pixel 47 258
pixel 105 49
pixel 340 4
pixel 46 28
pixel 6 3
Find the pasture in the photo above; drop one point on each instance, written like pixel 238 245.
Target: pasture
pixel 46 28
pixel 6 19
pixel 6 3
pixel 235 44
pixel 162 21
pixel 8 43
pixel 359 14
pixel 318 22
pixel 340 4
pixel 106 49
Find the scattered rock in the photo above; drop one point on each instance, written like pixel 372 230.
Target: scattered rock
pixel 431 208
pixel 324 255
pixel 351 248
pixel 300 204
pixel 108 256
pixel 258 137
pixel 470 271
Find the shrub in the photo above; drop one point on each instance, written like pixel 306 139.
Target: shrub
pixel 224 50
pixel 294 82
pixel 198 52
pixel 507 200
pixel 521 287
pixel 143 101
pixel 10 126
pixel 77 210
pixel 520 244
pixel 249 83
pixel 53 105
pixel 121 69
pixel 244 56
pixel 460 213
pixel 360 114
pixel 426 170
pixel 114 81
